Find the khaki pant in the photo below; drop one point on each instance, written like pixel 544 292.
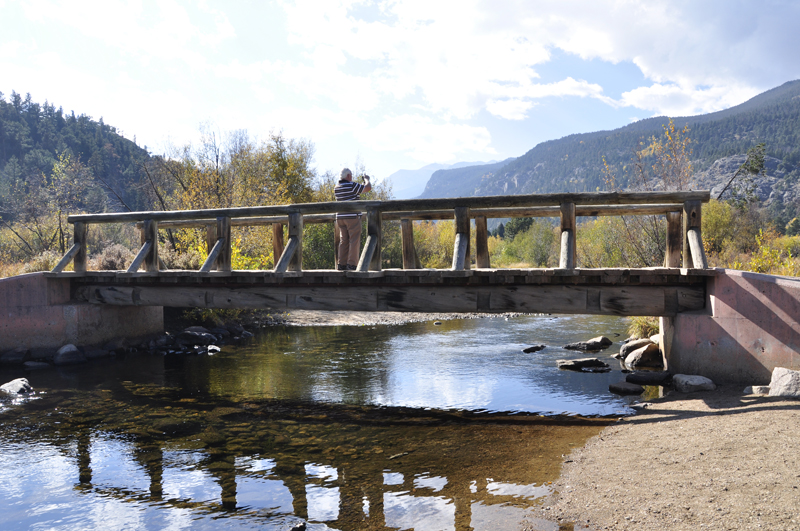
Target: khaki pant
pixel 349 240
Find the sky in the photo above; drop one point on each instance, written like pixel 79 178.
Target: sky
pixel 392 85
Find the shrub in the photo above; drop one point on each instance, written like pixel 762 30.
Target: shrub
pixel 115 257
pixel 45 261
pixel 643 327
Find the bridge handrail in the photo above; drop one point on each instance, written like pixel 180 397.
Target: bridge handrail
pixel 682 209
pixel 395 205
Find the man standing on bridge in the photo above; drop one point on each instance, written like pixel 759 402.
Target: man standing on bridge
pixel 349 223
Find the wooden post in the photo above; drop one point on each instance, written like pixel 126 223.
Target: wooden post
pixel 296 232
pixel 371 256
pixel 567 259
pixel 672 257
pixel 407 238
pixel 461 245
pixel 481 242
pixel 150 232
pixel 277 242
pixel 336 240
pixel 692 219
pixel 224 234
pixel 80 230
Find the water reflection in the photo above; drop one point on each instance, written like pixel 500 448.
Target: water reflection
pixel 341 428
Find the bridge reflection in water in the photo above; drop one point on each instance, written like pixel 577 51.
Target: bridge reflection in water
pixel 273 464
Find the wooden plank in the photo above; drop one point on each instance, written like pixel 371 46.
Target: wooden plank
pixel 224 234
pixel 529 200
pixel 288 252
pixel 150 232
pixel 295 231
pixel 481 242
pixel 277 241
pixel 672 257
pixel 375 231
pixel 692 218
pixel 461 244
pixel 528 298
pixel 367 254
pixel 696 248
pixel 79 235
pixel 211 259
pixel 407 241
pixel 67 258
pixel 568 225
pixel 140 256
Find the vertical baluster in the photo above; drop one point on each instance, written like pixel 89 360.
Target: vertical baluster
pixel 567 259
pixel 80 232
pixel 672 257
pixel 224 233
pixel 296 232
pixel 407 237
pixel 481 242
pixel 461 245
pixel 277 242
pixel 693 253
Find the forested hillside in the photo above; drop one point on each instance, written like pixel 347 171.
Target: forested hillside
pixel 34 136
pixel 575 163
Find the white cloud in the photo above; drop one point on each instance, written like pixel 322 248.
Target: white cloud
pixel 420 138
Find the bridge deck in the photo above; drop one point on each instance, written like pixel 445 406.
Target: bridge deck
pixel 648 291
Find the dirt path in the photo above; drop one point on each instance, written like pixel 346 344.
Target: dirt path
pixel 715 460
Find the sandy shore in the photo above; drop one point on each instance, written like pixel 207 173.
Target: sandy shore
pixel 713 460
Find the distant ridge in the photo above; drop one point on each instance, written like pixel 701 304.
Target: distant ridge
pixel 408 184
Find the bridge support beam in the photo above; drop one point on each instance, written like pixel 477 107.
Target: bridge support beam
pixel 750 326
pixel 39 314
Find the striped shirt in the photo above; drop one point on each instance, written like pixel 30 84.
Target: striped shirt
pixel 348 191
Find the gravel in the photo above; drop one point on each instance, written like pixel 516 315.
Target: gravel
pixel 697 461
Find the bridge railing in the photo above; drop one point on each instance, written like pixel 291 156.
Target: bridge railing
pixel 684 245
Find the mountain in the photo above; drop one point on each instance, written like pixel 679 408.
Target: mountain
pixel 408 184
pixel 718 140
pixel 461 182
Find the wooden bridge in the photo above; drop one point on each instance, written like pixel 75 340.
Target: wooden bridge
pixel 678 286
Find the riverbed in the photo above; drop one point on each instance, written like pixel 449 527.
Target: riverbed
pixel 427 425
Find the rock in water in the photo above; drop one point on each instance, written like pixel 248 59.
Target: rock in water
pixel 15 357
pixel 626 388
pixel 688 383
pixel 596 343
pixel 20 386
pixel 68 355
pixel 784 382
pixel 648 377
pixel 581 363
pixel 535 348
pixel 630 346
pixel 646 356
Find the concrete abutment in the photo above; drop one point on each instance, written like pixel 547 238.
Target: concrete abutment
pixel 36 313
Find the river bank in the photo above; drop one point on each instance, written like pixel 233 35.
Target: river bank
pixel 713 460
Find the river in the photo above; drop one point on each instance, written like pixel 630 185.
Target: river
pixel 425 426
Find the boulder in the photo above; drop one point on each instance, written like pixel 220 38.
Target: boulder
pixel 95 353
pixel 235 328
pixel 596 343
pixel 68 355
pixel 198 329
pixel 688 383
pixel 220 332
pixel 784 382
pixel 191 337
pixel 20 386
pixel 581 364
pixel 534 348
pixel 630 346
pixel 762 390
pixel 14 357
pixel 646 356
pixel 648 377
pixel 35 365
pixel 626 388
pixel 116 345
